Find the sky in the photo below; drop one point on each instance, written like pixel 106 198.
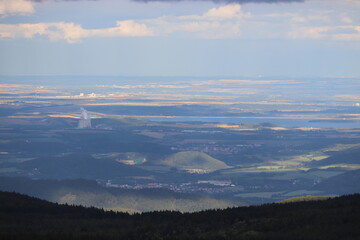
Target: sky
pixel 287 38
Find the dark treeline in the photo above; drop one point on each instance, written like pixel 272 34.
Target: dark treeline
pixel 24 217
pixel 90 193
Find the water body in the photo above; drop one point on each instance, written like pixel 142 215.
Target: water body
pixel 282 122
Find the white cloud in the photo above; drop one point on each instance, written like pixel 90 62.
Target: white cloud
pixel 303 18
pixel 346 32
pixel 226 12
pixel 346 20
pixel 16 7
pixel 71 32
pixel 212 29
pixel 129 28
pixel 348 36
pixel 220 22
pixel 308 33
pixel 228 21
pixel 21 30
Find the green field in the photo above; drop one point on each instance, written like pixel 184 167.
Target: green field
pixel 301 193
pixel 192 161
pixel 259 194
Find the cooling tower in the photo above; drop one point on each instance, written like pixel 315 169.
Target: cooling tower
pixel 85 121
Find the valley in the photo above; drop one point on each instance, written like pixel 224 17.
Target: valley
pixel 252 163
pixel 229 148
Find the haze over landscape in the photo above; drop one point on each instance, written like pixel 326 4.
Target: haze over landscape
pixel 136 106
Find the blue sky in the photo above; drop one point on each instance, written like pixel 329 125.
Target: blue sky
pixel 311 38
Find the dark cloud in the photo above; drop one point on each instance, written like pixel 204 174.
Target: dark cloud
pixel 227 1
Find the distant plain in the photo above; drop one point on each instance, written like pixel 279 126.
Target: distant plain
pixel 247 140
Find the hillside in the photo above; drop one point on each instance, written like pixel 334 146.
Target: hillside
pixel 304 199
pixel 348 156
pixel 79 165
pixel 192 161
pixel 23 217
pixel 89 193
pixel 344 183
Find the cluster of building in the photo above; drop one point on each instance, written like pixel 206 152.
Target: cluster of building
pixel 216 149
pixel 204 186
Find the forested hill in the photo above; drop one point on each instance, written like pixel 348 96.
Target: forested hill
pixel 23 217
pixel 90 193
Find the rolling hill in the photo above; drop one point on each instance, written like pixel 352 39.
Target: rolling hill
pixel 90 193
pixel 348 156
pixel 345 183
pixel 24 217
pixel 79 165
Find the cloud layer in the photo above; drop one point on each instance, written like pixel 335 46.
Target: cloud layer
pixel 218 1
pixel 23 7
pixel 346 32
pixel 227 1
pixel 227 21
pixel 71 32
pixel 220 22
pixel 16 7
